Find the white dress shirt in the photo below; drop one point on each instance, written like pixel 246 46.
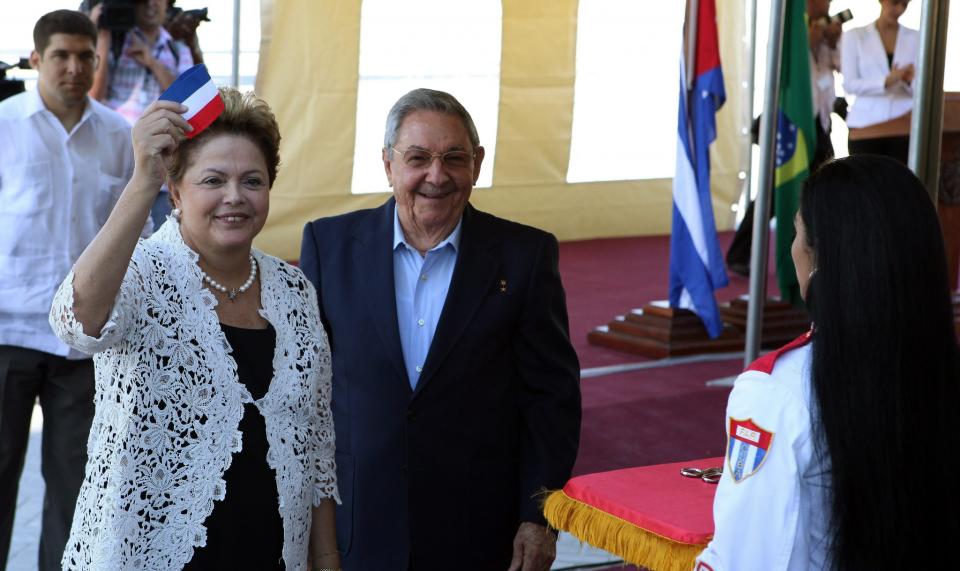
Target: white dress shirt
pixel 865 69
pixel 56 191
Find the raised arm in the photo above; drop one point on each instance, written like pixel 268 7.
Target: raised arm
pixel 99 272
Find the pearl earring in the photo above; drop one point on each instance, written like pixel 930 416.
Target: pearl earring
pixel 175 214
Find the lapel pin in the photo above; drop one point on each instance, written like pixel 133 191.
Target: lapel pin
pixel 503 286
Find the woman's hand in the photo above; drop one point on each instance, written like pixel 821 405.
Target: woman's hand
pixel 899 74
pixel 322 548
pixel 155 137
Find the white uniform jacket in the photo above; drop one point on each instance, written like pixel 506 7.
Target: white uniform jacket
pixel 771 510
pixel 865 68
pixel 168 404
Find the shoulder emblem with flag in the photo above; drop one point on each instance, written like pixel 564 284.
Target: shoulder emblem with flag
pixel 747 448
pixel 196 90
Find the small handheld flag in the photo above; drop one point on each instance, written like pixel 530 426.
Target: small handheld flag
pixel 196 90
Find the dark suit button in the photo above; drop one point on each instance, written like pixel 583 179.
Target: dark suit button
pixel 411 416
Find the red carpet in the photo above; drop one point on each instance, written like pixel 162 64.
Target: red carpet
pixel 607 277
pixel 642 417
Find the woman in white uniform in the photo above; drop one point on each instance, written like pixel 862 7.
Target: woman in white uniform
pixel 837 443
pixel 878 66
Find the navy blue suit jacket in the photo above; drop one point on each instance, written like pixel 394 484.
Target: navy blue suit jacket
pixel 440 477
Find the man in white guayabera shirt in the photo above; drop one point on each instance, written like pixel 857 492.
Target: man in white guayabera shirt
pixel 64 159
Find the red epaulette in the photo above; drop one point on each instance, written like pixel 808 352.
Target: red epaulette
pixel 765 364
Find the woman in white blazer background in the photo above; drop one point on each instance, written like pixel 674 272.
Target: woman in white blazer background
pixel 878 65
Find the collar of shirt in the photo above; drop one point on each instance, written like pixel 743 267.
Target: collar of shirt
pixel 34 104
pixel 398 238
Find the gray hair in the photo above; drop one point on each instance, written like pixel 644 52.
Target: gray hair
pixel 425 100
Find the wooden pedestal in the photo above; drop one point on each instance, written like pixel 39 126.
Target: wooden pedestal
pixel 782 322
pixel 659 331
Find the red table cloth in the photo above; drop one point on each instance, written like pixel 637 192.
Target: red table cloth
pixel 650 516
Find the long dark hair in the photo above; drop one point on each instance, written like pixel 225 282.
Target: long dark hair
pixel 886 366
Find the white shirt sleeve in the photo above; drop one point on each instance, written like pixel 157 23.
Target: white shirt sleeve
pixel 64 322
pixel 757 514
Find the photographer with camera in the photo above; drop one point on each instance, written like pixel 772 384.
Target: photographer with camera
pixel 147 61
pixel 823 34
pixel 64 160
pixel 139 59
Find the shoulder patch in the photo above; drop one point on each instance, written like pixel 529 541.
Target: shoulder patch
pixel 747 448
pixel 765 364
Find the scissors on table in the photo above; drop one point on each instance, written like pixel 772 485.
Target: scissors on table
pixel 709 475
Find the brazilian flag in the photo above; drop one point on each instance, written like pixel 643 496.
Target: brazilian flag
pixel 796 140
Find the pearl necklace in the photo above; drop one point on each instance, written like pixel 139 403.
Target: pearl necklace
pixel 232 293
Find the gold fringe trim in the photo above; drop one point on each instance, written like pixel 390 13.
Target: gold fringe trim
pixel 620 537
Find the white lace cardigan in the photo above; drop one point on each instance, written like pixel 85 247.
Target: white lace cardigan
pixel 168 404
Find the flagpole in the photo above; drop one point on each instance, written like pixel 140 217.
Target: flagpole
pixel 235 49
pixel 761 215
pixel 693 19
pixel 751 49
pixel 926 123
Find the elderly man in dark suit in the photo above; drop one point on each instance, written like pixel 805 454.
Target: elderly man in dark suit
pixel 456 395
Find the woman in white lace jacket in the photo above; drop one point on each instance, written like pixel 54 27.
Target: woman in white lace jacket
pixel 188 465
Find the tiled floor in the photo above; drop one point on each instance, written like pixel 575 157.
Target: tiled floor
pixel 26 523
pixel 26 526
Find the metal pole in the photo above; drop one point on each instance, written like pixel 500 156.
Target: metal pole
pixel 693 21
pixel 751 50
pixel 926 123
pixel 235 56
pixel 761 213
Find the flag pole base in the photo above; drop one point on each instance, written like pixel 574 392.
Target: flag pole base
pixel 658 331
pixel 782 321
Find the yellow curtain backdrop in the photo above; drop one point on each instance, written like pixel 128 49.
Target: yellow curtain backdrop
pixel 308 73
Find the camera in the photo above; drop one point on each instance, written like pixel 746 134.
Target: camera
pixel 841 17
pixel 11 87
pixel 199 14
pixel 116 15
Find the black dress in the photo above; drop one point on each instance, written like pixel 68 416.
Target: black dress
pixel 245 530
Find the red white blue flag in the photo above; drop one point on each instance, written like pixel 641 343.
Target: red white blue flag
pixel 696 264
pixel 196 90
pixel 747 447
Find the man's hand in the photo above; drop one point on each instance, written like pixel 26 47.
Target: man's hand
pixel 183 27
pixel 140 51
pixel 534 548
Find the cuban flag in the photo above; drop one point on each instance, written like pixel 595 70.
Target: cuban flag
pixel 696 264
pixel 196 90
pixel 747 446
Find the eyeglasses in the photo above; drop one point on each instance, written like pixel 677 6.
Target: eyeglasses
pixel 421 158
